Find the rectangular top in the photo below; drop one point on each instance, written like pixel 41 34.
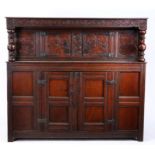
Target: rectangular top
pixel 15 22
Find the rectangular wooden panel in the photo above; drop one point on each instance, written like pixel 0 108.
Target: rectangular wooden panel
pixel 77 43
pixel 96 43
pixel 128 118
pixel 22 83
pixel 129 100
pixel 127 43
pixel 94 88
pixel 92 101
pixel 57 43
pixel 70 44
pixel 23 118
pixel 58 114
pixel 129 83
pixel 94 114
pixel 59 100
pixel 58 87
pixel 26 43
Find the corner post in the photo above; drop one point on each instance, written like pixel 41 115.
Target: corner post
pixel 12 45
pixel 141 45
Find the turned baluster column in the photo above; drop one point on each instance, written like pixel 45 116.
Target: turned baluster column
pixel 141 46
pixel 12 45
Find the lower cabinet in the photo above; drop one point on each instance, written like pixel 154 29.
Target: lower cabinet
pixel 66 102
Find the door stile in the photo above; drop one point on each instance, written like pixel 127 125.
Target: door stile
pixel 110 100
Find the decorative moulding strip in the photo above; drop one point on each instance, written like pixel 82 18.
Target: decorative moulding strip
pixel 139 23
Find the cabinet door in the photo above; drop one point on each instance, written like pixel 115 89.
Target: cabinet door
pixel 57 103
pixel 95 111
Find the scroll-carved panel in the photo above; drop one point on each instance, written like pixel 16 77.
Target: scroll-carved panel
pixel 78 43
pixel 95 43
pixel 26 43
pixel 58 43
pixel 128 43
pixel 77 40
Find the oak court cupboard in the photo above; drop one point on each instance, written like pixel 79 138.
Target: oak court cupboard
pixel 76 78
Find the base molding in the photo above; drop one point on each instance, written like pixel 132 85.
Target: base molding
pixel 75 135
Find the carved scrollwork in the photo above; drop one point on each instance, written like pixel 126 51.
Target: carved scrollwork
pixel 141 45
pixel 11 45
pixel 95 41
pixel 41 22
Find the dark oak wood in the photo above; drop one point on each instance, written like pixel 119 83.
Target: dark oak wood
pixel 76 78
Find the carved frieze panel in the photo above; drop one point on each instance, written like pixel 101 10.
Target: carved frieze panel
pixel 95 43
pixel 75 43
pixel 77 23
pixel 78 43
pixel 57 43
pixel 26 41
pixel 128 43
pixel 76 39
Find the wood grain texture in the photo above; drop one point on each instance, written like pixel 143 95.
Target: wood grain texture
pixel 45 38
pixel 76 78
pixel 76 22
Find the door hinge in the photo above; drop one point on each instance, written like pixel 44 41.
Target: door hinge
pixel 110 82
pixel 77 74
pixel 42 123
pixel 43 54
pixel 43 33
pixel 108 55
pixel 110 121
pixel 42 120
pixel 41 82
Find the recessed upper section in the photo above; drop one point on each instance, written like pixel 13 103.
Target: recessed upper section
pixel 76 39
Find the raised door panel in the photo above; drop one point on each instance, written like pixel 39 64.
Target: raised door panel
pixel 23 118
pixel 23 105
pixel 129 84
pixel 128 118
pixel 129 101
pixel 92 112
pixel 58 101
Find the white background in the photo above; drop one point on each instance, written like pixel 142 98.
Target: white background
pixel 80 8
